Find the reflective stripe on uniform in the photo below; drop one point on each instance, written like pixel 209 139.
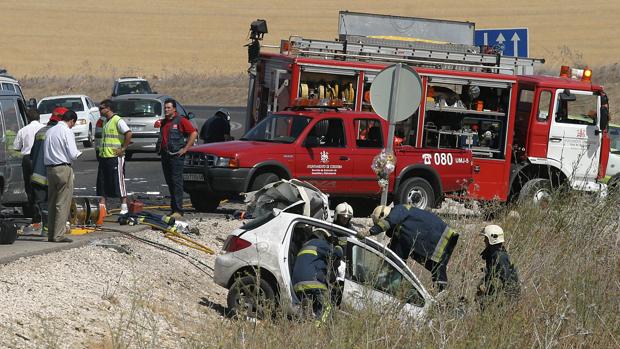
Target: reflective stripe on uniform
pixel 441 245
pixel 309 285
pixel 111 138
pixel 385 225
pixel 308 250
pixel 39 179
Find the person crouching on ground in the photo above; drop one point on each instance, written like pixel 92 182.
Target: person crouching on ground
pixel 500 277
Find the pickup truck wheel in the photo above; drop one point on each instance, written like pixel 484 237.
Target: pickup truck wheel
pixel 250 297
pixel 202 202
pixel 91 138
pixel 8 233
pixel 417 192
pixel 536 191
pixel 263 179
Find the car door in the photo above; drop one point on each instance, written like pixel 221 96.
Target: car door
pixel 323 158
pixel 369 141
pixel 575 138
pixel 12 111
pixel 372 279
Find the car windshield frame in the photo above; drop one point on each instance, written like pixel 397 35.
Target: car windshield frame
pixel 133 87
pixel 46 106
pixel 127 108
pixel 278 128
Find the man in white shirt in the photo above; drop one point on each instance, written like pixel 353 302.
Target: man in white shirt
pixel 60 152
pixel 23 143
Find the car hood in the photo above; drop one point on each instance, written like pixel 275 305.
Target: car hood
pixel 244 148
pixel 45 118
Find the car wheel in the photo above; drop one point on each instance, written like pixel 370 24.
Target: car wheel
pixel 91 138
pixel 418 192
pixel 202 202
pixel 250 297
pixel 263 179
pixel 537 191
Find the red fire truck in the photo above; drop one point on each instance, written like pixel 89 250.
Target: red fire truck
pixel 528 133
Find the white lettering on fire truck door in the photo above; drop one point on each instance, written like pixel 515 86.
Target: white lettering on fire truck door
pixel 441 159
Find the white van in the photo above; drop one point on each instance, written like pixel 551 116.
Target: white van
pixel 9 83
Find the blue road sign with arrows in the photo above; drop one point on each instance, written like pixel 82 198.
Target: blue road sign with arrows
pixel 513 40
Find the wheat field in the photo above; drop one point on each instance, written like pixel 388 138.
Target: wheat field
pixel 155 38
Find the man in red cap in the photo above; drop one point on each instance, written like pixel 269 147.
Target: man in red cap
pixel 39 172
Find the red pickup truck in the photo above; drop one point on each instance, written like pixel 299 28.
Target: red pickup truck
pixel 333 150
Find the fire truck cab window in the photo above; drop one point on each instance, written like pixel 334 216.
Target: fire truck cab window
pixel 468 115
pixel 329 133
pixel 368 133
pixel 544 102
pixel 317 85
pixel 576 108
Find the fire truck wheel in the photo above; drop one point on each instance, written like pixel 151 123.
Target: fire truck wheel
pixel 202 202
pixel 263 179
pixel 536 191
pixel 417 192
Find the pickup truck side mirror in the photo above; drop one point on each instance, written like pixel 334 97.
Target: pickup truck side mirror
pixel 567 96
pixel 190 115
pixel 32 103
pixel 311 142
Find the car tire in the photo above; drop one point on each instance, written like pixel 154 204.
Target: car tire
pixel 263 179
pixel 202 202
pixel 537 191
pixel 418 192
pixel 250 297
pixel 91 138
pixel 8 233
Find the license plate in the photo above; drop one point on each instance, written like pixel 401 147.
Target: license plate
pixel 195 177
pixel 135 128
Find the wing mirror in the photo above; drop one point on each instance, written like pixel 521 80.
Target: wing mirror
pixel 311 142
pixel 190 115
pixel 567 96
pixel 32 103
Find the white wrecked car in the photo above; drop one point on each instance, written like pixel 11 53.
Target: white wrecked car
pixel 258 258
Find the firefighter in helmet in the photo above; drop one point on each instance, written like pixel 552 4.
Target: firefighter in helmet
pixel 500 275
pixel 419 234
pixel 343 214
pixel 315 270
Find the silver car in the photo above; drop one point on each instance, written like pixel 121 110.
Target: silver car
pixel 143 114
pixel 258 259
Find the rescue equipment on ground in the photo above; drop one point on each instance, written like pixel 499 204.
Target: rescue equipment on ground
pixel 173 229
pixel 87 211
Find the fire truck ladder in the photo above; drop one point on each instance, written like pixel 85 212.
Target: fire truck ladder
pixel 443 56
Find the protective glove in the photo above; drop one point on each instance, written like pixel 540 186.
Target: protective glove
pixel 362 234
pixel 375 229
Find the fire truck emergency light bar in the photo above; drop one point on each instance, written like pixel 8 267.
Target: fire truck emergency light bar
pixel 576 74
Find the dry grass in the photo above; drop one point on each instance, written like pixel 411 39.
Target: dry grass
pixel 568 260
pixel 145 37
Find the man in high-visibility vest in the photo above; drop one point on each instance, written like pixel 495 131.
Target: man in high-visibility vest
pixel 115 138
pixel 421 234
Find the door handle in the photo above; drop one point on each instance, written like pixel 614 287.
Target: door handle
pixel 344 158
pixel 555 139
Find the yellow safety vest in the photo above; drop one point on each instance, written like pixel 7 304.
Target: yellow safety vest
pixel 111 139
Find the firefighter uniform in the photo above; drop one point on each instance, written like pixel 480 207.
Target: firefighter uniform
pixel 315 268
pixel 500 274
pixel 421 234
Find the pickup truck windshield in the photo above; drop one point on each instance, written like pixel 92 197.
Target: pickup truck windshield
pixel 278 128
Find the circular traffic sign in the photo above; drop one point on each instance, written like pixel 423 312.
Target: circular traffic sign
pixel 396 100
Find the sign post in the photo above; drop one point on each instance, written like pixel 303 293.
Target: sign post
pixel 395 95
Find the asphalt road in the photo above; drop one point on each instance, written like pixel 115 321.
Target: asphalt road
pixel 143 174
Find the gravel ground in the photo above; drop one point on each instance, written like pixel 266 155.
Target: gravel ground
pixel 96 295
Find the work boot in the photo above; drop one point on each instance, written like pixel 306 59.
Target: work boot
pixel 124 209
pixel 62 240
pixel 176 215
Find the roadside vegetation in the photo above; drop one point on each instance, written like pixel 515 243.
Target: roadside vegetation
pixel 567 255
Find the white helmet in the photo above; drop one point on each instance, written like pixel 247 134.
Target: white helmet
pixel 380 212
pixel 494 233
pixel 320 233
pixel 343 213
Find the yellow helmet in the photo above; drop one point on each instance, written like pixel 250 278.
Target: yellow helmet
pixel 494 233
pixel 343 213
pixel 380 213
pixel 321 233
